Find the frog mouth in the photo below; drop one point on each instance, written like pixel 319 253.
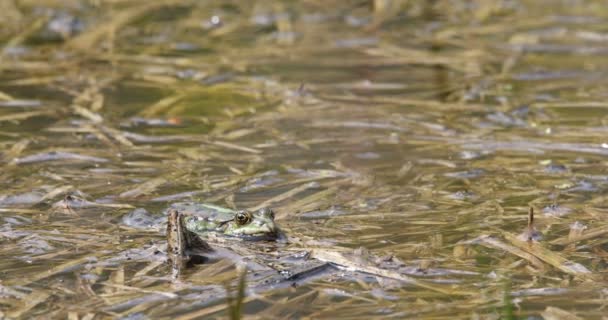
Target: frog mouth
pixel 259 237
pixel 260 234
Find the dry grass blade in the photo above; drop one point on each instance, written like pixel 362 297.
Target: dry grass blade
pixel 285 195
pixel 554 313
pixel 311 202
pixel 572 104
pixel 112 205
pixel 491 242
pixel 118 136
pixel 236 147
pixel 408 101
pixel 33 81
pixel 19 210
pixel 94 36
pixel 29 302
pixel 550 257
pixel 414 56
pixel 170 295
pixel 340 259
pixel 145 188
pixel 86 113
pixel 23 115
pixel 5 97
pixel 56 191
pixel 202 313
pixel 99 135
pixel 118 276
pixel 294 305
pixel 161 106
pixel 460 31
pixel 16 150
pixel 32 103
pixel 587 234
pixel 151 266
pixel 20 37
pixel 64 267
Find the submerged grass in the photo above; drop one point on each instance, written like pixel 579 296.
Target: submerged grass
pixel 235 300
pixel 508 308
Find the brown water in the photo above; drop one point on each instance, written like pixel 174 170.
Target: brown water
pixel 418 130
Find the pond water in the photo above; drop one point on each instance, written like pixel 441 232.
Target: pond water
pixel 419 132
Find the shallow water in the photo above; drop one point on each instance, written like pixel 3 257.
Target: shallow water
pixel 421 131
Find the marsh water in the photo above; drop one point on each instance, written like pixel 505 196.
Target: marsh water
pixel 420 132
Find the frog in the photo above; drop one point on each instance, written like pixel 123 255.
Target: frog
pixel 205 219
pixel 190 224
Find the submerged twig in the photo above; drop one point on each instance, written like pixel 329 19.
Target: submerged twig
pixel 182 244
pixel 531 234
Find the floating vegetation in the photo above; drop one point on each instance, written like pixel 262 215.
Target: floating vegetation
pixel 399 143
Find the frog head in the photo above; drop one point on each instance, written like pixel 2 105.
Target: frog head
pixel 252 224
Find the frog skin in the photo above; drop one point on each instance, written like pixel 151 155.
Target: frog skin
pixel 202 219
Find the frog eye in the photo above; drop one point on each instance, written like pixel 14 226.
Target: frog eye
pixel 242 217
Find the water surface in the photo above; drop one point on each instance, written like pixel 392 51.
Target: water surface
pixel 421 131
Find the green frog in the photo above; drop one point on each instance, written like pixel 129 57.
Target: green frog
pixel 202 219
pixel 189 223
